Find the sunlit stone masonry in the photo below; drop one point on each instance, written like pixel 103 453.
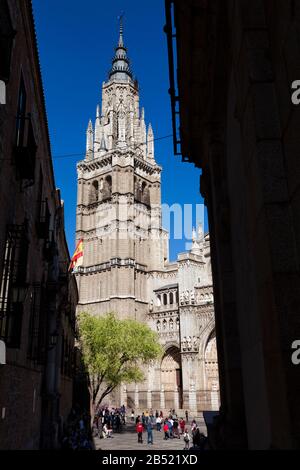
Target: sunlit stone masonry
pixel 126 268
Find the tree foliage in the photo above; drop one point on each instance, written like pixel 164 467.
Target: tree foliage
pixel 114 351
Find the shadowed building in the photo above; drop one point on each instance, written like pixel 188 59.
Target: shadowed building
pixel 231 78
pixel 37 296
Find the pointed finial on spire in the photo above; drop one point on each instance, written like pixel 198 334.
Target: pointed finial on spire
pixel 103 143
pixel 89 140
pixel 150 143
pixel 98 111
pixel 120 64
pixel 200 231
pixel 195 245
pixel 121 43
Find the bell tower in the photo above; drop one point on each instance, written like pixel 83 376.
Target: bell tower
pixel 119 201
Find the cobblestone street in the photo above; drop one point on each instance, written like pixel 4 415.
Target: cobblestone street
pixel 127 439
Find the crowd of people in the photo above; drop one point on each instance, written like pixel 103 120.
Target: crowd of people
pixel 78 435
pixel 108 421
pixel 172 427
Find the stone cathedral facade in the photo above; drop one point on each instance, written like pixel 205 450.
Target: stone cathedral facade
pixel 126 269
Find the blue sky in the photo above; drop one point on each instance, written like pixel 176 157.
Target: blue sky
pixel 76 45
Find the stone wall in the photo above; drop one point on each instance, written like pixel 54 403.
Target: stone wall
pixel 238 124
pixel 38 298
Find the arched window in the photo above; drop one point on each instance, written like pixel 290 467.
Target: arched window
pixel 137 189
pixel 145 194
pixel 171 298
pixel 94 191
pixel 165 297
pixel 107 187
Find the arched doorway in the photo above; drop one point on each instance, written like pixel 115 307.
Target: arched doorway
pixel 211 370
pixel 171 378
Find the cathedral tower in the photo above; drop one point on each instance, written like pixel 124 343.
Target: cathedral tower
pixel 119 201
pixel 125 263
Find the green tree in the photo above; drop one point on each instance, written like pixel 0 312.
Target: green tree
pixel 114 351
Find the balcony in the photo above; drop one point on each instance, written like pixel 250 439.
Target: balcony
pixel 165 308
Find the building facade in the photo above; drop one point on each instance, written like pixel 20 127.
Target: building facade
pixel 37 295
pixel 125 264
pixel 236 61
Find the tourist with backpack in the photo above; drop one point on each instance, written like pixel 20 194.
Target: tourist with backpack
pixel 149 432
pixel 186 438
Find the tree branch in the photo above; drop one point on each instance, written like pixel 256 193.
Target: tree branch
pixel 108 389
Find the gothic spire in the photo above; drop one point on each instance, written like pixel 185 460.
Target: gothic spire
pixel 89 140
pixel 150 143
pixel 103 143
pixel 120 64
pixel 121 43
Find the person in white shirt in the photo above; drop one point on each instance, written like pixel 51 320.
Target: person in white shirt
pixel 158 423
pixel 171 427
pixel 106 431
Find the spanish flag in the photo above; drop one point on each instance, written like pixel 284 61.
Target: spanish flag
pixel 77 258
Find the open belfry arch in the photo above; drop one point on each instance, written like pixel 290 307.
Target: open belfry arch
pixel 125 267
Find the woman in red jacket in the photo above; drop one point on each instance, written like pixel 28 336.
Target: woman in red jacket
pixel 166 431
pixel 182 425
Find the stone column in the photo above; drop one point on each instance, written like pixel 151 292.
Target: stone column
pixel 149 399
pixel 214 397
pixel 176 398
pixel 192 397
pixel 162 398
